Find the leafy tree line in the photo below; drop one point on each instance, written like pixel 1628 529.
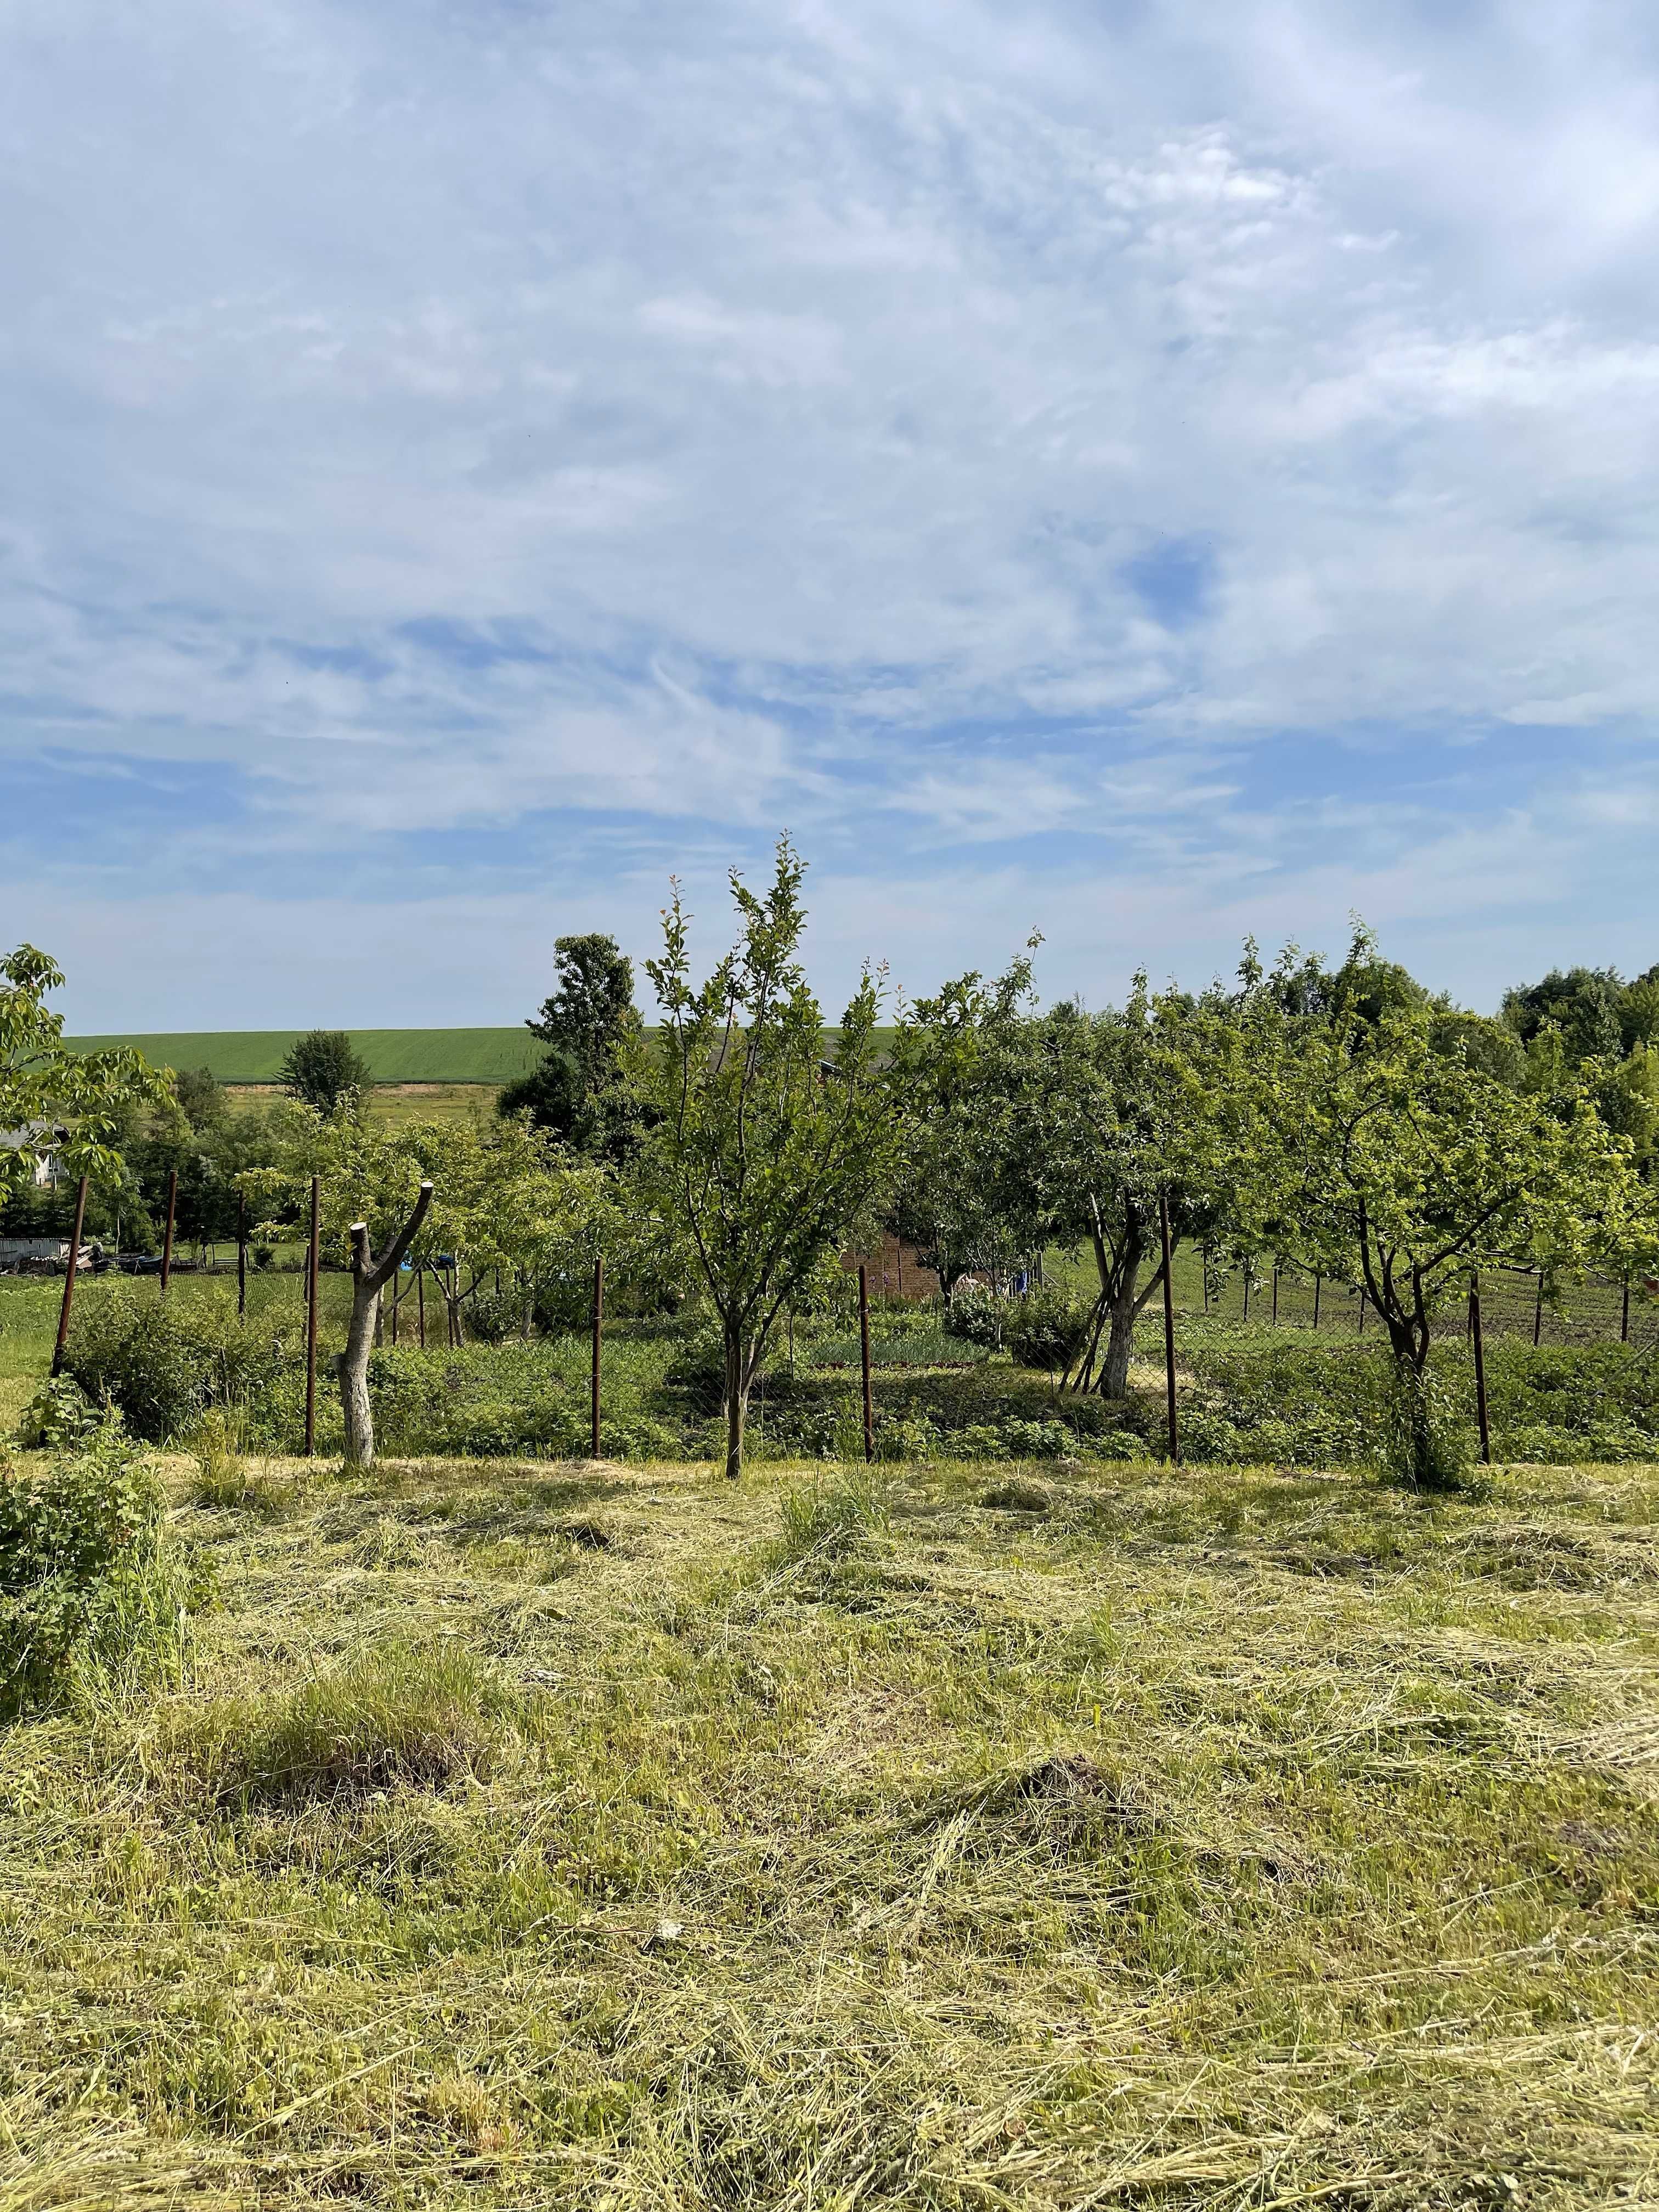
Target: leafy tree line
pixel 1337 1118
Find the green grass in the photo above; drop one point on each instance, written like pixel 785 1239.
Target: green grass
pixel 591 1836
pixel 452 1055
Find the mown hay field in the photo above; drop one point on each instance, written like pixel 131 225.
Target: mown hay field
pixel 586 1835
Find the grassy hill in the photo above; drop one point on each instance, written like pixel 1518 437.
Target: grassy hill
pixel 454 1055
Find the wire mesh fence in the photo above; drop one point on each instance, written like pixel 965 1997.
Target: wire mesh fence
pixel 1601 1310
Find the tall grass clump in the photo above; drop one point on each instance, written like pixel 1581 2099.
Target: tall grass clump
pixel 87 1584
pixel 832 1520
pixel 398 1715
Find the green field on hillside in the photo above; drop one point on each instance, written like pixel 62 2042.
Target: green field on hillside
pixel 394 1055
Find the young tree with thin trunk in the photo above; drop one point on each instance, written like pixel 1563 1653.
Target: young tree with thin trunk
pixel 764 1149
pixel 369 1276
pixel 500 1195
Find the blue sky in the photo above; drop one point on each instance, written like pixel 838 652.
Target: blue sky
pixel 1141 472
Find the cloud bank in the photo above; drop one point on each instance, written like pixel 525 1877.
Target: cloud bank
pixel 1144 473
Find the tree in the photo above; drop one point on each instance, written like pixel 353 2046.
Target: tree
pixel 322 1068
pixel 1585 1004
pixel 959 1058
pixel 369 1276
pixel 482 1196
pixel 202 1100
pixel 1093 1131
pixel 763 1153
pixel 1402 1168
pixel 57 1106
pixel 582 1090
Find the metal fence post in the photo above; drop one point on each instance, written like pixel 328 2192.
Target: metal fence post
pixel 864 1361
pixel 1480 1368
pixel 310 1318
pixel 1169 1327
pixel 166 1241
pixel 69 1280
pixel 599 1318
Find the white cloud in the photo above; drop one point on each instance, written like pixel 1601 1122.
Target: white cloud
pixel 447 418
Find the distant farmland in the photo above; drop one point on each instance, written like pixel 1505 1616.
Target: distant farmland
pixel 491 1056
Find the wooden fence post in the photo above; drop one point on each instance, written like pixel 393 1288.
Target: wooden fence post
pixel 1538 1309
pixel 1275 1297
pixel 311 1257
pixel 1169 1327
pixel 69 1280
pixel 1480 1368
pixel 598 1318
pixel 1318 1281
pixel 420 1300
pixel 864 1361
pixel 166 1241
pixel 1247 1288
pixel 1623 1313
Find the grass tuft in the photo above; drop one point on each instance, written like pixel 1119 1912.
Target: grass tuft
pixel 397 1717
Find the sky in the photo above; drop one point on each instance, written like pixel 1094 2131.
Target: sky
pixel 1144 473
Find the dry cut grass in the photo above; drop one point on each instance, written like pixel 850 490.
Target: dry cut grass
pixel 613 1838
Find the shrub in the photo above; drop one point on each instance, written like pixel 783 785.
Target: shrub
pixel 899 1439
pixel 1048 1330
pixel 492 1317
pixel 84 1576
pixel 59 1415
pixel 1011 1439
pixel 164 1363
pixel 977 1316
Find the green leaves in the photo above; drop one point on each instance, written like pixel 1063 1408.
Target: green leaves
pixel 55 1101
pixel 764 1148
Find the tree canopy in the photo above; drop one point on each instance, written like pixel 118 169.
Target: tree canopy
pixel 323 1069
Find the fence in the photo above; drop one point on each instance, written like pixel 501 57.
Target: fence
pixel 1602 1310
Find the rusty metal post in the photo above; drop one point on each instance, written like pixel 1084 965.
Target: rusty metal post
pixel 311 1258
pixel 864 1361
pixel 1476 1339
pixel 1275 1297
pixel 69 1280
pixel 1318 1281
pixel 1169 1327
pixel 241 1255
pixel 420 1300
pixel 599 1321
pixel 1624 1316
pixel 166 1241
pixel 1538 1309
pixel 1362 1309
pixel 1248 1269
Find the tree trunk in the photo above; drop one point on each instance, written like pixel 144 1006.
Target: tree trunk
pixel 369 1276
pixel 1120 1341
pixel 1120 1275
pixel 353 1370
pixel 737 1404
